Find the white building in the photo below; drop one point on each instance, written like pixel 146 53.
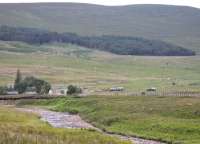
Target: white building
pixel 117 89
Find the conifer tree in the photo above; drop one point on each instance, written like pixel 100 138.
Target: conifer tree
pixel 18 79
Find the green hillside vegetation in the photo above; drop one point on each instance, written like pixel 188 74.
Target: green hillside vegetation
pixel 23 128
pixel 113 44
pixel 174 24
pixel 172 119
pixel 96 70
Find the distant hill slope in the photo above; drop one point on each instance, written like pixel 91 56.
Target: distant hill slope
pixel 179 25
pixel 114 44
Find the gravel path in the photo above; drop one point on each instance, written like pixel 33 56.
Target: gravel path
pixel 66 120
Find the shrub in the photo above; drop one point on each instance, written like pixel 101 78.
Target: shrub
pixel 3 90
pixel 73 90
pixel 41 86
pixel 45 88
pixel 62 92
pixel 21 87
pixel 110 120
pixel 143 93
pixel 72 111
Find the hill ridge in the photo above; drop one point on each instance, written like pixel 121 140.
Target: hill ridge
pixel 114 44
pixel 175 24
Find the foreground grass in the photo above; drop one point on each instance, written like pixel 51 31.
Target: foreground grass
pixel 23 128
pixel 172 119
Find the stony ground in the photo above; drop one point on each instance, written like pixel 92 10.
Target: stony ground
pixel 66 120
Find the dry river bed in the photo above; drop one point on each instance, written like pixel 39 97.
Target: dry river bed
pixel 66 120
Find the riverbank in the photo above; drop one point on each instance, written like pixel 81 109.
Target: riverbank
pixel 26 128
pixel 169 119
pixel 67 120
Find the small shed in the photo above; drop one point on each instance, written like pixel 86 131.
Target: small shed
pixel 152 89
pixel 12 92
pixel 50 92
pixel 57 92
pixel 117 89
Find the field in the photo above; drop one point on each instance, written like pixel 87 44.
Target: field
pixel 97 71
pixel 23 128
pixel 172 119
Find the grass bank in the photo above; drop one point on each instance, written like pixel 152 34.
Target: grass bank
pixel 22 128
pixel 172 119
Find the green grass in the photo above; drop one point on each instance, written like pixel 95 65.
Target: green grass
pixel 172 119
pixel 23 128
pixel 95 70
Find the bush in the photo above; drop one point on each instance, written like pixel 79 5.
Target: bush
pixel 143 93
pixel 62 92
pixel 110 120
pixel 41 86
pixel 3 90
pixel 21 87
pixel 45 88
pixel 73 90
pixel 72 111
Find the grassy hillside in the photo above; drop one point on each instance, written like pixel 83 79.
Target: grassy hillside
pixel 97 71
pixel 173 119
pixel 114 44
pixel 22 128
pixel 179 25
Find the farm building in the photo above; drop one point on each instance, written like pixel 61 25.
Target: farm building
pixel 57 92
pixel 117 89
pixel 152 89
pixel 12 92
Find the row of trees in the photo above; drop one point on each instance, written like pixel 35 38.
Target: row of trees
pixel 115 44
pixel 34 84
pixel 22 85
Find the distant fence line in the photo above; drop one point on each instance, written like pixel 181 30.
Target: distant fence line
pixel 180 94
pixel 18 97
pixel 159 93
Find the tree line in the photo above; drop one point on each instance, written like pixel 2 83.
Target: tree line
pixel 115 44
pixel 30 83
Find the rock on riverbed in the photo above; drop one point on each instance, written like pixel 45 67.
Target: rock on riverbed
pixel 59 119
